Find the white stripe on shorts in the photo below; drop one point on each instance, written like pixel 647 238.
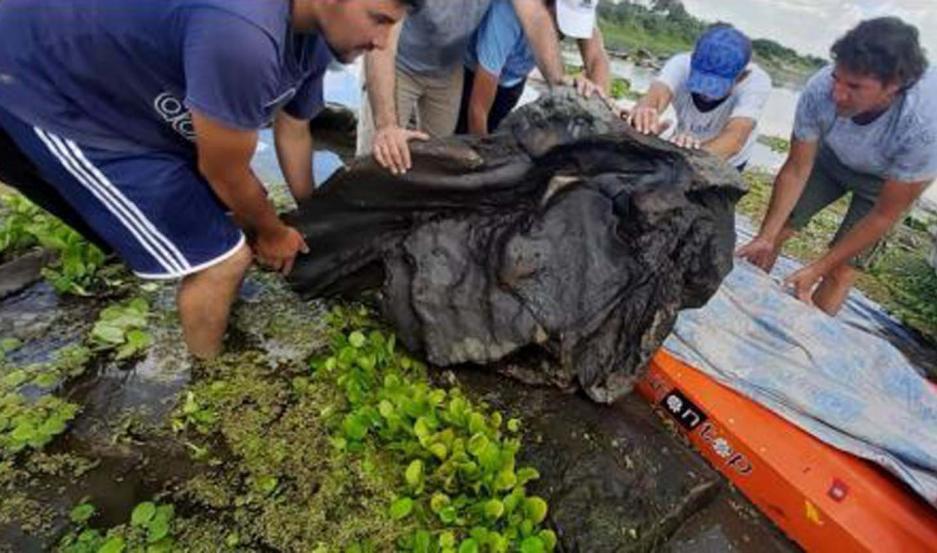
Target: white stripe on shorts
pixel 147 235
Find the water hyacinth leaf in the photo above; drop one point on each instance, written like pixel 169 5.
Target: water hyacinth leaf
pixel 549 539
pixel 514 425
pixel 533 544
pixel 494 509
pixel 476 423
pixel 143 514
pixel 422 542
pixel 468 546
pixel 267 484
pixel 355 427
pixel 438 502
pixel 386 409
pixel 421 428
pixel 448 514
pixel 165 545
pixel 439 451
pixel 357 339
pixel 447 539
pixel 536 509
pixel 81 513
pixel 165 512
pixel 157 529
pixel 113 544
pixel 526 474
pixel 414 473
pixel 400 508
pixel 505 480
pixel 108 334
pixel 477 444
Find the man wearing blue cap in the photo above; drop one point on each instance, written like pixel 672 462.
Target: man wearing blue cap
pixel 717 93
pixel 867 125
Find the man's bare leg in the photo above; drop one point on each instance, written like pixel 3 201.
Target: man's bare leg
pixel 833 290
pixel 205 300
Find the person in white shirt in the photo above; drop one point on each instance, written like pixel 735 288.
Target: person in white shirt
pixel 718 94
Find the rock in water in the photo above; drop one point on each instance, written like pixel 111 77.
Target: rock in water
pixel 564 232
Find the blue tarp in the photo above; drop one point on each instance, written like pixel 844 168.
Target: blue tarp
pixel 832 377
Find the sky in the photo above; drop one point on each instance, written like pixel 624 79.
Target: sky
pixel 811 26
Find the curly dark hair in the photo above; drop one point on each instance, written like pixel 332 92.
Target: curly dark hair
pixel 886 48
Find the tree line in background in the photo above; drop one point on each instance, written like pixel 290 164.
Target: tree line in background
pixel 664 28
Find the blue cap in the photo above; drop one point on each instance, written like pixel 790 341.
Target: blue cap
pixel 721 54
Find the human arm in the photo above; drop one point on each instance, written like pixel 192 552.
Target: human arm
pixel 787 189
pixel 894 199
pixel 293 141
pixel 595 61
pixel 224 156
pixel 645 116
pixel 484 89
pixel 540 30
pixel 732 139
pixel 390 143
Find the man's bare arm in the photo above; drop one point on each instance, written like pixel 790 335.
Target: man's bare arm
pixel 293 141
pixel 224 156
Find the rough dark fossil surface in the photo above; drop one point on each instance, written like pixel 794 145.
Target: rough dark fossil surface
pixel 565 234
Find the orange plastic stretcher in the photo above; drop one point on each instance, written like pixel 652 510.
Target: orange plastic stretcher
pixel 822 498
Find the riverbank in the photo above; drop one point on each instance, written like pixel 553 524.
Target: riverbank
pixel 651 35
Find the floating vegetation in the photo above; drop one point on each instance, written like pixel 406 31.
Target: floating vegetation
pixel 79 266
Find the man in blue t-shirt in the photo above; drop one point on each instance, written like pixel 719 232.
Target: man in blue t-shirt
pixel 137 122
pixel 866 125
pixel 499 58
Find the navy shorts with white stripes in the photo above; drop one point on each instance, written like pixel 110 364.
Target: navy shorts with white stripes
pixel 155 209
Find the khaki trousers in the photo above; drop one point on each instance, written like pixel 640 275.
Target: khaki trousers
pixel 428 103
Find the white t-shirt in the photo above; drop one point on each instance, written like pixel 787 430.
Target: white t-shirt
pixel 746 100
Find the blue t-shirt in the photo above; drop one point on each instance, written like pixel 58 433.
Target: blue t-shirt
pixel 500 47
pixel 901 144
pixel 122 75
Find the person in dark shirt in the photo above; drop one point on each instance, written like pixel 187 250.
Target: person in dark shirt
pixel 140 120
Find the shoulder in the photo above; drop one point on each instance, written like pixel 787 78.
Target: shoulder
pixel 270 17
pixel 757 79
pixel 501 15
pixel 681 60
pixel 821 82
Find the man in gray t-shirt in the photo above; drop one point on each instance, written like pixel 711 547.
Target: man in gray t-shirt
pixel 866 125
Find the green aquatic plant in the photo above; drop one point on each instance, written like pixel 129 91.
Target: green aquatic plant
pixel 621 89
pixel 122 329
pixel 458 476
pixel 78 266
pixel 777 144
pixel 28 424
pixel 150 530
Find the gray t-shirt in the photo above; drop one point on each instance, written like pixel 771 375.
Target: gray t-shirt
pixel 433 41
pixel 747 100
pixel 901 144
